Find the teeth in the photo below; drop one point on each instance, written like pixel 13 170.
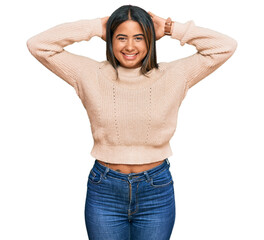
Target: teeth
pixel 130 55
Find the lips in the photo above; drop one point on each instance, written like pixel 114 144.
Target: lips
pixel 130 56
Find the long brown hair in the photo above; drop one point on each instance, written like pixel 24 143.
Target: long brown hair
pixel 130 12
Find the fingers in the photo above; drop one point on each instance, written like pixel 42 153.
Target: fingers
pixel 151 14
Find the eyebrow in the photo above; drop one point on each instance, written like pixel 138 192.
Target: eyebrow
pixel 140 34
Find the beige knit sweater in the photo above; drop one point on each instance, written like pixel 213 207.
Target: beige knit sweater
pixel 134 118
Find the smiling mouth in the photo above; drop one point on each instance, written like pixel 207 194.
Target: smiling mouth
pixel 130 55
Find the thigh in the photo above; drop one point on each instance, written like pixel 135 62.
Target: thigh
pixel 105 215
pixel 156 209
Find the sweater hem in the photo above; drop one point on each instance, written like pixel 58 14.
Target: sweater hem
pixel 130 154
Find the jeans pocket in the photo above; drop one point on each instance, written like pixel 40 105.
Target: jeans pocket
pixel 95 176
pixel 161 179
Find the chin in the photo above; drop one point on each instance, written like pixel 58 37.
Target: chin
pixel 131 66
pixel 136 65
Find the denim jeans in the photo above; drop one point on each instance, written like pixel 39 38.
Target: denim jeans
pixel 135 206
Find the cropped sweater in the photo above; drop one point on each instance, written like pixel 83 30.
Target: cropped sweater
pixel 132 118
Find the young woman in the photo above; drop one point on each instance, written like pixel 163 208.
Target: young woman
pixel 132 103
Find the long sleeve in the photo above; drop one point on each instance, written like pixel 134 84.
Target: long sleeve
pixel 213 49
pixel 48 48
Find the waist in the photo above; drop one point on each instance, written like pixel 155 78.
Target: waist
pixel 131 168
pixel 126 155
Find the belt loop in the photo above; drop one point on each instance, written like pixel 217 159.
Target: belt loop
pixel 167 160
pixel 147 176
pixel 105 172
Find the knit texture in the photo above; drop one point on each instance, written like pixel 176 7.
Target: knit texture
pixel 133 118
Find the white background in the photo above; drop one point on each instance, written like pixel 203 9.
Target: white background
pixel 217 161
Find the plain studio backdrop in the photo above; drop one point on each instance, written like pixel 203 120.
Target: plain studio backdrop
pixel 217 161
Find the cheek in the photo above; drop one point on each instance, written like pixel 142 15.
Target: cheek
pixel 144 51
pixel 116 51
pixel 143 48
pixel 117 48
pixel 114 45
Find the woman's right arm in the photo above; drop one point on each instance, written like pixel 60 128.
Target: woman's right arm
pixel 48 48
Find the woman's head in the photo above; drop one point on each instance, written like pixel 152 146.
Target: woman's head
pixel 130 31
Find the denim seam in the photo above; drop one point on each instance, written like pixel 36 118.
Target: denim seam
pixel 92 180
pixel 93 173
pixel 135 203
pixel 161 185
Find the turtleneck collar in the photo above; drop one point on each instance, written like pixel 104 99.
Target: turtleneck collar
pixel 130 78
pixel 129 72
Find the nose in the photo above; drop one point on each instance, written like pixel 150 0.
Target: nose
pixel 130 45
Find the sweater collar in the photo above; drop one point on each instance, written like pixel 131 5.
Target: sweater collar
pixel 130 78
pixel 129 72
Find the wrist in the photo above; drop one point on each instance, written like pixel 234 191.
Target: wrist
pixel 168 27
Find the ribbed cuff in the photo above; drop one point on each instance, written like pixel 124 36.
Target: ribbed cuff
pixel 180 29
pixel 97 27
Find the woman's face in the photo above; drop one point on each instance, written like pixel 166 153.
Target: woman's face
pixel 129 45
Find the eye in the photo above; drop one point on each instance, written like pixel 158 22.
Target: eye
pixel 121 38
pixel 139 38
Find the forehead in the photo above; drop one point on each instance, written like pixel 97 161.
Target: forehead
pixel 129 27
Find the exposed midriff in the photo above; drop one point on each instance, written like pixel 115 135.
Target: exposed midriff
pixel 131 168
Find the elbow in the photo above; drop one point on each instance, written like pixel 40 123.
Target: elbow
pixel 213 61
pixel 232 49
pixel 30 45
pixel 34 47
pixel 228 50
pixel 232 46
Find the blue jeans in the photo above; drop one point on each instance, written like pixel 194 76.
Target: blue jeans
pixel 135 206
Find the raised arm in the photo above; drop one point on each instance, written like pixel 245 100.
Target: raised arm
pixel 213 49
pixel 48 48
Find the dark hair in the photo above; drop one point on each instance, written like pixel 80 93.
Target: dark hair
pixel 129 12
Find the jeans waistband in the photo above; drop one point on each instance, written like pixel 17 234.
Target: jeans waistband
pixel 132 176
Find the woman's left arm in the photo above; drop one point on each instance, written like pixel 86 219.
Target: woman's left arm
pixel 213 49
